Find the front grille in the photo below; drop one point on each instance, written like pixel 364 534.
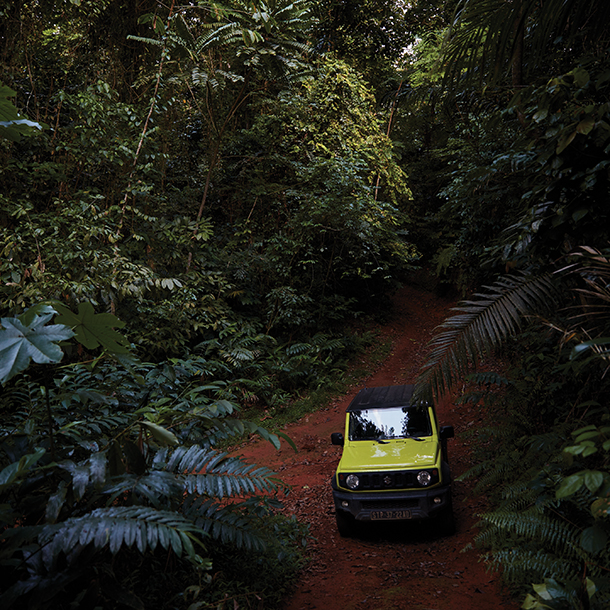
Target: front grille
pixel 393 479
pixel 388 480
pixel 399 479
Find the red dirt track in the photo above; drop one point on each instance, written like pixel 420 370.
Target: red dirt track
pixel 394 566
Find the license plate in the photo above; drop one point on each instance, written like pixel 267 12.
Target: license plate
pixel 388 515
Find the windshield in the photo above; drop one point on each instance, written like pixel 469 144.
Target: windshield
pixel 388 423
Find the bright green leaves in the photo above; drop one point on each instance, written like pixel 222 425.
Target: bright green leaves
pixel 332 226
pixel 94 330
pixel 552 594
pixel 12 125
pixel 29 337
pixel 591 479
pixel 20 343
pixel 589 441
pixel 163 436
pixel 587 438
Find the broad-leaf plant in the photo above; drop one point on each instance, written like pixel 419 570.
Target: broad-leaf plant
pixel 100 461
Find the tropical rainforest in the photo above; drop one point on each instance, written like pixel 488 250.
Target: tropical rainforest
pixel 202 202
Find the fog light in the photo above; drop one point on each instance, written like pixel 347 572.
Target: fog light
pixel 437 500
pixel 345 504
pixel 424 477
pixel 352 481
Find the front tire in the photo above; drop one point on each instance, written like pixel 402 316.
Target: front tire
pixel 346 524
pixel 446 522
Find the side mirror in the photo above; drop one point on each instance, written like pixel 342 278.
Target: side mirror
pixel 447 432
pixel 336 438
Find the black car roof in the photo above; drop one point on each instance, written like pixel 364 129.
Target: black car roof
pixel 384 396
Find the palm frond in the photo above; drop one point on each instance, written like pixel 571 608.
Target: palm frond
pixel 592 266
pixel 483 38
pixel 480 327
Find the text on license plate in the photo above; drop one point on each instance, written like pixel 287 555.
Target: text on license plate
pixel 381 515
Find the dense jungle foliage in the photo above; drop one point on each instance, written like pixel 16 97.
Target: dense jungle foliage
pixel 198 200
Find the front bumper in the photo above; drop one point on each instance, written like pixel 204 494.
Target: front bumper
pixel 420 503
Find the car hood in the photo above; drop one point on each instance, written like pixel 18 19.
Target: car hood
pixel 399 454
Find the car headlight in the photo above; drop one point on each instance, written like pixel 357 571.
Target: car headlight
pixel 352 481
pixel 424 478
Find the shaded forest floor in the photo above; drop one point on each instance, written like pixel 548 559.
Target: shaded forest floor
pixel 394 566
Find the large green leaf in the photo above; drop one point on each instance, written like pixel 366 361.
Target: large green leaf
pixel 20 343
pixel 14 470
pixel 163 436
pixel 593 539
pixel 93 330
pixel 12 125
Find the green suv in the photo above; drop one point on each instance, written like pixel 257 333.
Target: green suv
pixel 394 462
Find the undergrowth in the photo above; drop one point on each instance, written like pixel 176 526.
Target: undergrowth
pixel 542 463
pixel 367 355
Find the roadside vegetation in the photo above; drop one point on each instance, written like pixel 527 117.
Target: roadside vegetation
pixel 201 202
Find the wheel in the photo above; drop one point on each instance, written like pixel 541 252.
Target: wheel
pixel 446 522
pixel 346 524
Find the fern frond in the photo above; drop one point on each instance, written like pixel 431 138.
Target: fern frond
pixel 491 472
pixel 480 327
pixel 519 564
pixel 115 527
pixel 96 426
pixel 211 473
pixel 534 526
pixel 519 495
pixel 298 348
pixel 152 41
pixel 238 355
pixel 227 523
pixel 480 45
pixel 153 486
pixel 16 397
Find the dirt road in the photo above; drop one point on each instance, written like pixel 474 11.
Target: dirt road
pixel 393 566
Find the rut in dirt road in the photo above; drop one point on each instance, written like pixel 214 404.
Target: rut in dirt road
pixel 395 565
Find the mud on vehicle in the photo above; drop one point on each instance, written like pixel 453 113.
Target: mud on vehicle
pixel 394 463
